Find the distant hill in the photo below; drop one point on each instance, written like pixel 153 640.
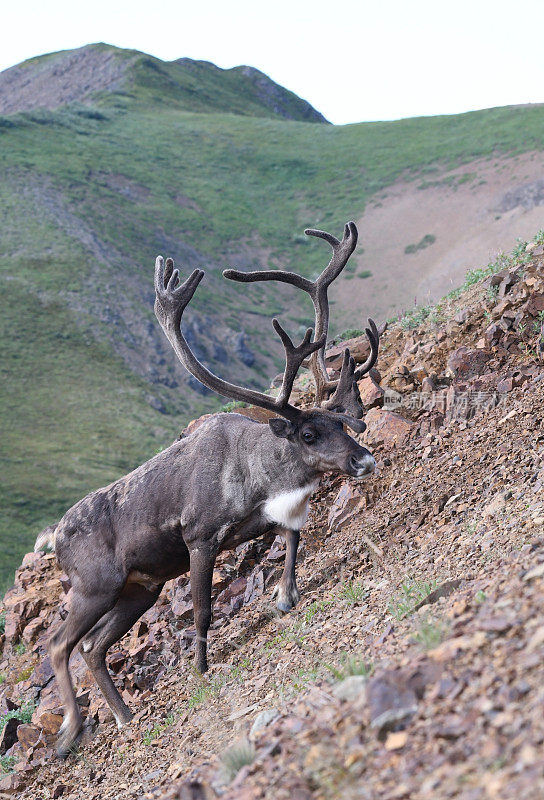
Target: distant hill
pixel 82 75
pixel 109 157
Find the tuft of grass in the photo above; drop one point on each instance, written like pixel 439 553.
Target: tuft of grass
pixel 25 673
pixel 238 755
pixel 353 592
pixel 233 405
pixel 364 273
pixel 20 648
pixel 208 688
pixel 314 608
pixel 351 665
pixel 426 241
pixel 350 333
pixel 412 591
pixel 158 729
pixel 480 596
pixel 2 621
pixel 429 633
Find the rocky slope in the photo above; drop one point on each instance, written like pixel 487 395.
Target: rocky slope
pixel 413 665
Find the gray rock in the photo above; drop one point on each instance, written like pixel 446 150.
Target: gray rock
pixel 263 719
pixel 351 688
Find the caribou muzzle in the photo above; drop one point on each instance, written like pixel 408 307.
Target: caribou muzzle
pixel 361 465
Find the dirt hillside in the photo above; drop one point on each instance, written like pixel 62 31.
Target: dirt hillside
pixel 471 213
pixel 412 666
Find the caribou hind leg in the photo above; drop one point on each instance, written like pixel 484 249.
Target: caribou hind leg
pixel 134 601
pixel 86 608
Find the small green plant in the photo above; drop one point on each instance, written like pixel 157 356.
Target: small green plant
pixel 480 596
pixel 415 318
pixel 350 333
pixel 158 729
pixel 429 633
pixel 2 677
pixel 304 677
pixel 492 293
pixel 233 405
pixel 314 608
pixel 207 689
pixel 24 713
pixel 353 592
pixel 25 674
pixel 365 273
pixel 351 665
pixel 412 592
pixel 7 764
pixel 238 755
pixel 2 621
pixel 20 648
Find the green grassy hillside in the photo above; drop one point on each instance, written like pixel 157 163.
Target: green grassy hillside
pixel 190 161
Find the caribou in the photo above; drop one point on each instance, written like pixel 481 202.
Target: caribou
pixel 230 481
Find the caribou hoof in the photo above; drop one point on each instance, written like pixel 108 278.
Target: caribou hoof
pixel 68 737
pixel 286 597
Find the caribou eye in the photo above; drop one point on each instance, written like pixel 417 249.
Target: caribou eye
pixel 308 436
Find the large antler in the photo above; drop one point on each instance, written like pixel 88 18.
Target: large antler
pixel 170 302
pixel 342 394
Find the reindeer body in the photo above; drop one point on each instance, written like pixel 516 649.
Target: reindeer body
pixel 232 480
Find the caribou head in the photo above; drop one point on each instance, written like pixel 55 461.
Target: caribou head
pixel 318 432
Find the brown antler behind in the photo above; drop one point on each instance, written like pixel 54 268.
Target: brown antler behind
pixel 171 300
pixel 342 394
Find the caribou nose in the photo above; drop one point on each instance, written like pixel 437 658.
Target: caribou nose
pixel 362 466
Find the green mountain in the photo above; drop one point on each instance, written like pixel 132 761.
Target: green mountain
pixel 108 157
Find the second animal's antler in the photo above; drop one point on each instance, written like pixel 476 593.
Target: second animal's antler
pixel 341 395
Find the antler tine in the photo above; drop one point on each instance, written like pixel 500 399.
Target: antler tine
pixel 342 250
pixel 270 275
pixel 171 300
pixel 373 337
pixel 317 290
pixel 294 356
pixel 343 385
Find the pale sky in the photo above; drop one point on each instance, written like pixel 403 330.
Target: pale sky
pixel 354 61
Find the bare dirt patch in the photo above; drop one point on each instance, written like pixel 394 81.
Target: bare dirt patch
pixel 474 212
pixel 62 78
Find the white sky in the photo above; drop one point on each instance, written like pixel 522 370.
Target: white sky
pixel 353 61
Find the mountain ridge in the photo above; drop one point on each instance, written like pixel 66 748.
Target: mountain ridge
pixel 81 75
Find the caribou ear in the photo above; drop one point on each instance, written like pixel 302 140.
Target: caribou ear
pixel 281 427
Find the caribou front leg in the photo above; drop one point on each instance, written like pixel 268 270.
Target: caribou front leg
pixel 286 592
pixel 202 561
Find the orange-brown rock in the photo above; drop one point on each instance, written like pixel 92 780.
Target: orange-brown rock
pixel 29 736
pixel 371 392
pixel 345 505
pixel 253 412
pixel 358 347
pixel 386 428
pixel 194 425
